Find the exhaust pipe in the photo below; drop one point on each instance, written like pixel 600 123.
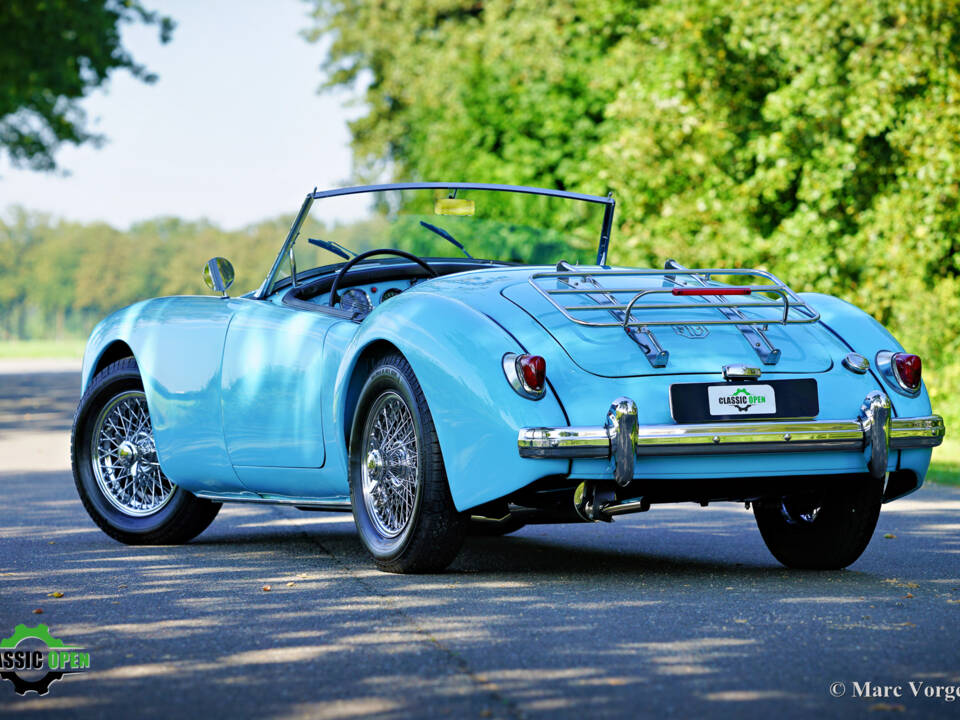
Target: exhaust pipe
pixel 594 502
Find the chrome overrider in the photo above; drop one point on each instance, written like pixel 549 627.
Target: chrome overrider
pixel 623 438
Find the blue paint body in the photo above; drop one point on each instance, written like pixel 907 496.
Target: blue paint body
pixel 255 397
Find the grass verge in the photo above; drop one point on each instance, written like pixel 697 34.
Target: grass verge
pixel 58 349
pixel 945 466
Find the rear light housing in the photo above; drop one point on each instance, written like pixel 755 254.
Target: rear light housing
pixel 527 374
pixel 902 371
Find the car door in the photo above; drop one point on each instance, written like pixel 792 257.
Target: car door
pixel 272 391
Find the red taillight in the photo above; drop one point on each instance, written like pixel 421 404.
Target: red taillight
pixel 533 370
pixel 909 369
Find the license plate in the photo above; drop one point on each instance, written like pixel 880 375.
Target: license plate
pixel 753 399
pixel 706 402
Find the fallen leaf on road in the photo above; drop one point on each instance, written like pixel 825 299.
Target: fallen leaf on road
pixel 55 594
pixel 900 583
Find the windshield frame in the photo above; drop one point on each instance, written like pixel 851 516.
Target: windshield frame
pixel 269 283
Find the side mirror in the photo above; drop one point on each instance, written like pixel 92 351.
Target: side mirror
pixel 218 274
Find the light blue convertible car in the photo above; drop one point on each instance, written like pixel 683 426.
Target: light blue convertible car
pixel 435 394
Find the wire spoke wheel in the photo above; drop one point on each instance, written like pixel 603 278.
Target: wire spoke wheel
pixel 124 457
pixel 390 465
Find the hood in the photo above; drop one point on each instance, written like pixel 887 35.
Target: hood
pixel 611 352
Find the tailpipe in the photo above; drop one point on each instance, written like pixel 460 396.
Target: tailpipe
pixel 595 502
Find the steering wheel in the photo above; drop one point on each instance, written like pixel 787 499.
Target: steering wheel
pixel 363 256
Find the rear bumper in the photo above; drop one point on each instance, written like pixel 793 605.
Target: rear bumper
pixel 623 439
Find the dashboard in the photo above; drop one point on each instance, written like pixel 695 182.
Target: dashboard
pixel 364 298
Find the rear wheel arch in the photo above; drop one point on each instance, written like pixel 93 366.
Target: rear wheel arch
pixel 362 366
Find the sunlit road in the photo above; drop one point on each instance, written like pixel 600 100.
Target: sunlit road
pixel 676 612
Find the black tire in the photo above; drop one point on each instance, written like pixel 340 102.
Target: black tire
pixel 825 533
pixel 488 527
pixel 181 518
pixel 432 535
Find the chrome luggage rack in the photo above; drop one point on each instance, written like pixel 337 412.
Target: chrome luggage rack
pixel 630 310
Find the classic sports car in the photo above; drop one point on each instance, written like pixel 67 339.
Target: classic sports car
pixel 435 396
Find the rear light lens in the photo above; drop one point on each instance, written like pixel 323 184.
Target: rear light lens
pixel 909 369
pixel 533 371
pixel 527 374
pixel 901 371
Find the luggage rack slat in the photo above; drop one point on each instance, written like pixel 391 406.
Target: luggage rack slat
pixel 631 313
pixel 644 338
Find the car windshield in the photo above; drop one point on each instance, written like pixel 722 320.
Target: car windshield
pixel 522 225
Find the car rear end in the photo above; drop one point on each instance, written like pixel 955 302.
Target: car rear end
pixel 679 387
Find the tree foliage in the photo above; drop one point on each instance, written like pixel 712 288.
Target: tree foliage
pixel 52 54
pixel 59 278
pixel 819 140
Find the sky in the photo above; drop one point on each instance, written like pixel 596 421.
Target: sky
pixel 233 130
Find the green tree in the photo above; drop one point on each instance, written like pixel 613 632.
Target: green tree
pixel 819 140
pixel 52 54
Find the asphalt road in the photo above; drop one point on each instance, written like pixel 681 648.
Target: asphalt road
pixel 676 612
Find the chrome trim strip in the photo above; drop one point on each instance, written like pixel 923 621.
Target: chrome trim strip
pixel 916 432
pixel 770 436
pixel 248 497
pixel 873 429
pixel 585 442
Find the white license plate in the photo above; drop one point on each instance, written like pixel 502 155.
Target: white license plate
pixel 741 400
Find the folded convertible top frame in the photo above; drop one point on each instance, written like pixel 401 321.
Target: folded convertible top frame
pixel 629 303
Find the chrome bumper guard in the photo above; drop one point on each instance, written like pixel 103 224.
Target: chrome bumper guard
pixel 623 439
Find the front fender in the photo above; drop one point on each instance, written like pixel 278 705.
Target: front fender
pixel 178 345
pixel 456 352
